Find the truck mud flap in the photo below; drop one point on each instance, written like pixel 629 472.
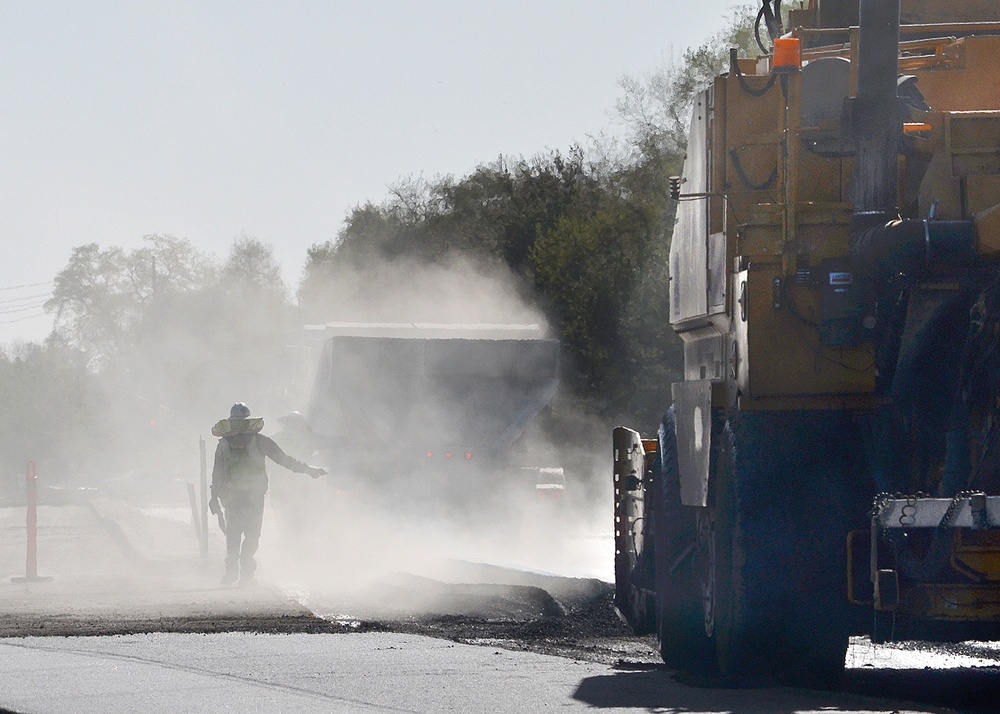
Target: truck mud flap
pixel 635 599
pixel 693 407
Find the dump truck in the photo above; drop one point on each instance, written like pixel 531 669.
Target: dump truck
pixel 435 416
pixel 829 465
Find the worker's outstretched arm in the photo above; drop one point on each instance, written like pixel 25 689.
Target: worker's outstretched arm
pixel 272 451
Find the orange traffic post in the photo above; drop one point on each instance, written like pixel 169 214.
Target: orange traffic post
pixel 31 563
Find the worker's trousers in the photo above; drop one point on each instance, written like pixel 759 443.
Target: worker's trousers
pixel 244 516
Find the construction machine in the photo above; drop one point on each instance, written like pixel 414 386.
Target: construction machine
pixel 830 463
pixel 435 417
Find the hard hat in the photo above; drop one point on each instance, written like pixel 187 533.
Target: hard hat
pixel 239 411
pixel 294 420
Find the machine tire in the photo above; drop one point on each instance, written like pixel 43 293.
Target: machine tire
pixel 680 619
pixel 817 632
pixel 776 513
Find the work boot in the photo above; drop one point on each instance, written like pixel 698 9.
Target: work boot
pixel 230 577
pixel 248 566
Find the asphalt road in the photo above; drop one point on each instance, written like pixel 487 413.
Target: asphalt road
pixel 137 621
pixel 378 672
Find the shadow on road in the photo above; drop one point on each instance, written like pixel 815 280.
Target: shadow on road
pixel 654 688
pixel 643 687
pixel 967 689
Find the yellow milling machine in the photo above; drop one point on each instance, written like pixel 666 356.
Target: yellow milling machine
pixel 830 464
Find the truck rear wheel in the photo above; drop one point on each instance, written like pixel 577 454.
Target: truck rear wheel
pixel 680 615
pixel 777 523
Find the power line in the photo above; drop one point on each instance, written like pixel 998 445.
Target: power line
pixel 26 297
pixel 22 319
pixel 21 308
pixel 26 285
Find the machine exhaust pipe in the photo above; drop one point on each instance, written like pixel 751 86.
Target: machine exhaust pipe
pixel 883 244
pixel 877 127
pixel 878 124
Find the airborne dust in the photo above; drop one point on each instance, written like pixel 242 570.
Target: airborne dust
pixel 375 536
pixel 391 506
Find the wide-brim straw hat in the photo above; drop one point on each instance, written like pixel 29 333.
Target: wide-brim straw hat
pixel 231 427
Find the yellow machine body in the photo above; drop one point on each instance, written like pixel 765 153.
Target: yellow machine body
pixel 839 303
pixel 768 212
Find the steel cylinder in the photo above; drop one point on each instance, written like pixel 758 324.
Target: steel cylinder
pixel 877 122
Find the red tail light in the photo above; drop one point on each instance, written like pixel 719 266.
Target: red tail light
pixel 448 455
pixel 468 455
pixel 430 454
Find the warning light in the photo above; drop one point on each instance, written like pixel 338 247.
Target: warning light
pixel 787 55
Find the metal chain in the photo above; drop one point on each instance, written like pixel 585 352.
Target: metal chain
pixel 907 516
pixel 956 501
pixel 908 513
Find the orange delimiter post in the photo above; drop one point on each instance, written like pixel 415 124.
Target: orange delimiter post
pixel 31 562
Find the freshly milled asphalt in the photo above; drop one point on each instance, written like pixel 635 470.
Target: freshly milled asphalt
pixel 378 672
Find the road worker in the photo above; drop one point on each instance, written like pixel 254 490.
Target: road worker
pixel 239 483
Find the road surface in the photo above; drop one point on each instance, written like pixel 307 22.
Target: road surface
pixel 135 620
pixel 377 672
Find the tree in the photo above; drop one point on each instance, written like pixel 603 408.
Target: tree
pixel 93 301
pixel 575 231
pixel 252 269
pixel 167 265
pixel 657 109
pixel 252 323
pixel 169 337
pixel 105 300
pixel 55 412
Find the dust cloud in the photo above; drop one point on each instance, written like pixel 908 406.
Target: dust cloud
pixel 457 291
pixel 434 407
pixel 447 442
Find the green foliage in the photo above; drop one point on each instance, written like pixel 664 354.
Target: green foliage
pixel 577 232
pixel 496 211
pixel 587 266
pixel 657 109
pixel 589 233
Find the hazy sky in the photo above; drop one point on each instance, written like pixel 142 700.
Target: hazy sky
pixel 208 119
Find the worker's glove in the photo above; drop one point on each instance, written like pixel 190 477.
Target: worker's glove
pixel 214 506
pixel 315 472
